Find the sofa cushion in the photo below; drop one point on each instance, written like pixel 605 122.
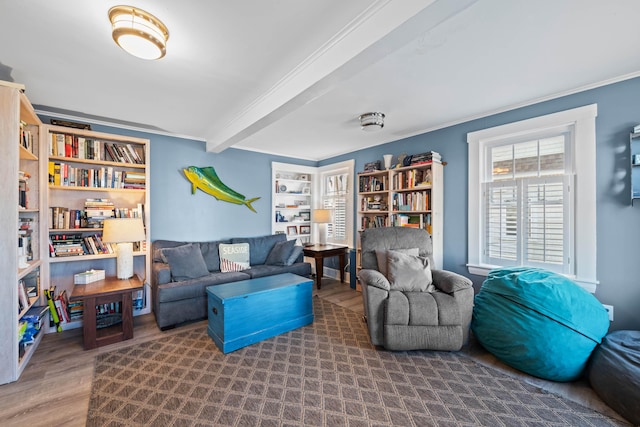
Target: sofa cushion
pixel 211 254
pixel 259 247
pixel 381 256
pixel 409 273
pixel 234 257
pixel 185 261
pixel 279 254
pixel 159 245
pixel 295 254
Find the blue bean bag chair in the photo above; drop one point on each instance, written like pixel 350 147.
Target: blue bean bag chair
pixel 538 322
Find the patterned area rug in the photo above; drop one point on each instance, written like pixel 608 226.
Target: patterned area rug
pixel 324 374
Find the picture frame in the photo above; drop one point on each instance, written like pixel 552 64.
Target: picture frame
pixel 306 190
pixel 305 216
pixel 305 229
pixel 292 230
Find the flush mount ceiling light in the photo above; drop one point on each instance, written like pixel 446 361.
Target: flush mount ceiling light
pixel 372 121
pixel 138 32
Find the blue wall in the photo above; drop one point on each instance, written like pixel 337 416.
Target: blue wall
pixel 178 215
pixel 618 231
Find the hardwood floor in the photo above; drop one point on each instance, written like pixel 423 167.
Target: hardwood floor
pixel 54 388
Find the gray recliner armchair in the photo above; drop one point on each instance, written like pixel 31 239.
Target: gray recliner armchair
pixel 402 310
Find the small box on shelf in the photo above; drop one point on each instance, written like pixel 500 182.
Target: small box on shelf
pixel 89 276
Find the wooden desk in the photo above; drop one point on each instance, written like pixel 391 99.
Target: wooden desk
pixel 107 291
pixel 320 252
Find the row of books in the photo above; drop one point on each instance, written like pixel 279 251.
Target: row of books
pixel 414 201
pixel 412 178
pixel 75 244
pixel 372 183
pixel 65 175
pixel 26 137
pixel 23 188
pixel 409 220
pixel 374 221
pixel 92 216
pixel 78 147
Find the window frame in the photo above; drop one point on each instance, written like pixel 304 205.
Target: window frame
pixel 345 167
pixel 581 122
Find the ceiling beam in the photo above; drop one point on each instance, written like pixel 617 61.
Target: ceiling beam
pixel 381 29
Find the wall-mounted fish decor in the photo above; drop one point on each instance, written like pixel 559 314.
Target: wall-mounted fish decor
pixel 207 180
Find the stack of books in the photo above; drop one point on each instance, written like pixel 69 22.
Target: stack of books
pixel 97 210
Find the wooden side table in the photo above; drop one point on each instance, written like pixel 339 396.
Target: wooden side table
pixel 107 291
pixel 320 252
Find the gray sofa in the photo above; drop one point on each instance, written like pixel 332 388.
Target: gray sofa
pixel 179 293
pixel 436 317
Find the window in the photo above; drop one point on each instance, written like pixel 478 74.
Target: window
pixel 527 183
pixel 337 195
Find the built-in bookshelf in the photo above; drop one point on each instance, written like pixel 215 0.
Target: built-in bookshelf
pixel 410 196
pixel 21 251
pixel 292 201
pixel 92 176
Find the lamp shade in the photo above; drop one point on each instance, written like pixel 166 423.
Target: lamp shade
pixel 123 230
pixel 321 216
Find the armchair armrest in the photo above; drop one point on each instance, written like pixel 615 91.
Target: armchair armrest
pixel 374 278
pixel 450 282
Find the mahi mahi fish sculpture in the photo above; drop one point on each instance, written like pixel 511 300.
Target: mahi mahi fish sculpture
pixel 207 180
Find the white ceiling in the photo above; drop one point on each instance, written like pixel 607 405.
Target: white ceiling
pixel 290 77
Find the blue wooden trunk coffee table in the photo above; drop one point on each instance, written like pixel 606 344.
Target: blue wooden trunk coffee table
pixel 245 312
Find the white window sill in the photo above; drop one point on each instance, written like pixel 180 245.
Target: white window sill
pixel 484 269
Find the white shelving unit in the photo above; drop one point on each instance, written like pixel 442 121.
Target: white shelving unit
pixel 73 197
pixel 292 200
pixel 18 163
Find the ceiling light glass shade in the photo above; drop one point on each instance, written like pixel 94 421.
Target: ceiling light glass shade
pixel 138 32
pixel 372 121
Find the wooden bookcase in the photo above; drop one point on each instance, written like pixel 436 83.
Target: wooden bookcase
pixel 292 200
pixel 407 196
pixel 20 219
pixel 85 158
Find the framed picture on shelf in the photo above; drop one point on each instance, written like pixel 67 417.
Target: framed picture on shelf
pixel 292 230
pixel 305 216
pixel 305 229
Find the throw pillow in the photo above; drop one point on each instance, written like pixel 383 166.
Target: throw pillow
pixel 295 253
pixel 185 261
pixel 382 258
pixel 234 257
pixel 279 254
pixel 409 273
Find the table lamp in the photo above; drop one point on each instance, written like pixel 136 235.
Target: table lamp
pixel 322 217
pixel 123 231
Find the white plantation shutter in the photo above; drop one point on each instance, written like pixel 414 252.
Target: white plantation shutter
pixel 336 182
pixel 526 222
pixel 501 219
pixel 527 203
pixel 336 190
